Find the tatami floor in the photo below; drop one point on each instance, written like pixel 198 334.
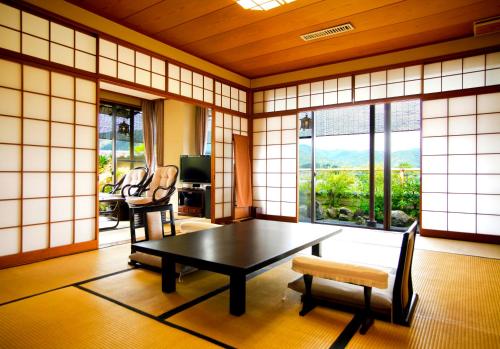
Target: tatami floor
pixel 96 300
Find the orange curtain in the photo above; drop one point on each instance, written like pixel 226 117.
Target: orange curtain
pixel 243 183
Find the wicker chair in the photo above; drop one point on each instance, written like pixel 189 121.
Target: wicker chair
pixel 134 178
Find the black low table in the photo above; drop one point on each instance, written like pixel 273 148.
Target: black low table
pixel 235 250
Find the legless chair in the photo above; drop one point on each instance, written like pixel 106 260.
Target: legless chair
pixel 157 199
pixel 338 285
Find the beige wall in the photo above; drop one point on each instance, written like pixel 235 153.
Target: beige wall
pixel 178 133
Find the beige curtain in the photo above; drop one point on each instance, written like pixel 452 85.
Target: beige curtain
pixel 159 131
pixel 152 123
pixel 243 183
pixel 200 130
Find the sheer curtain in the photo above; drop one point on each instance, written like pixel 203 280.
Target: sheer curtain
pixel 152 119
pixel 200 130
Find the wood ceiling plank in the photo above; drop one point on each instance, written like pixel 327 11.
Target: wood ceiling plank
pixel 392 45
pixel 328 49
pixel 366 21
pixel 223 20
pixel 298 19
pixel 170 13
pixel 114 9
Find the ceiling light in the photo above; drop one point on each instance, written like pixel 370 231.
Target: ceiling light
pixel 262 5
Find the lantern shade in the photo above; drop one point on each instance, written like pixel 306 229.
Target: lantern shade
pixel 123 128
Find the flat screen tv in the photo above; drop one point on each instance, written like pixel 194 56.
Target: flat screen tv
pixel 195 169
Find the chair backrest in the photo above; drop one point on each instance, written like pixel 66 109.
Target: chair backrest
pixel 135 177
pixel 162 185
pixel 403 285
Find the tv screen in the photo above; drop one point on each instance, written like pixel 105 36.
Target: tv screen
pixel 195 169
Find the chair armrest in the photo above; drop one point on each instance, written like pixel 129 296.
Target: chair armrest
pixel 166 197
pixel 129 190
pixel 343 272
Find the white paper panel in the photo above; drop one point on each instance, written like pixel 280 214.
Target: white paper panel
pixel 227 194
pixel 35 158
pixel 452 67
pixel 288 194
pixel 10 39
pixel 85 61
pixel 107 49
pixel 227 210
pixel 488 204
pixel 492 77
pixel 61 54
pixel 435 146
pixel 85 230
pixel 432 85
pixel 273 123
pixel 62 135
pixel 434 164
pixel 434 202
pixel 462 105
pixel 142 77
pixel 487 123
pixel 471 80
pixel 474 63
pixel 259 193
pixel 38 211
pixel 435 108
pixel 11 213
pixel 488 143
pixel 462 145
pixel 218 211
pixel 35 185
pixel 84 207
pixel 10 132
pixel 244 124
pixel 85 137
pixel 142 61
pixel 218 195
pixel 10 16
pixel 462 183
pixel 434 220
pixel 36 106
pixel 62 85
pixel 460 125
pixel 85 114
pixel 488 184
pixel 107 67
pixel 288 180
pixel 35 25
pixel 125 72
pixel 488 164
pixel 158 81
pixel 273 165
pixel 10 74
pixel 61 184
pixel 228 180
pixel 395 90
pixel 61 209
pixel 228 135
pixel 434 127
pixel 61 159
pixel 273 208
pixel 35 237
pixel 459 164
pixel 259 165
pixel 434 183
pixel 463 223
pixel 259 179
pixel 13 153
pixel 61 234
pixel 10 102
pixel 125 55
pixel 453 82
pixel 186 90
pixel 463 203
pixel 62 110
pixel 36 80
pixel 487 224
pixel 11 183
pixel 85 160
pixel 9 241
pixel 274 137
pixel 35 132
pixel 85 43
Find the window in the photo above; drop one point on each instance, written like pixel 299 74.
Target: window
pixel 208 133
pixel 121 141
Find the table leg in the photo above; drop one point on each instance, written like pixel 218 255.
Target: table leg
pixel 167 274
pixel 237 294
pixel 316 250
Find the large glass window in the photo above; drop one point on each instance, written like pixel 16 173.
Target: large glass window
pixel 121 141
pixel 360 165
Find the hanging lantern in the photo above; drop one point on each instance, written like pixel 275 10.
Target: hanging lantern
pixel 305 123
pixel 123 128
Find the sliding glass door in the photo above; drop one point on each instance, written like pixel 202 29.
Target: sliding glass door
pixel 360 165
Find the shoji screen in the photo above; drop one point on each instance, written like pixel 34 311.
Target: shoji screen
pixel 461 164
pixel 48 166
pixel 275 165
pixel 224 127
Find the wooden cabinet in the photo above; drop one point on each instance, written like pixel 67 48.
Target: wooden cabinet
pixel 191 202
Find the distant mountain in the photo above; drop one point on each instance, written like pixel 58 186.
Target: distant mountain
pixel 354 158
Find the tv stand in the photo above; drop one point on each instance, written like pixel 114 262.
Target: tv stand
pixel 191 201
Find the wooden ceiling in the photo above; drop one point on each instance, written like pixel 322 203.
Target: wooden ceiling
pixel 256 44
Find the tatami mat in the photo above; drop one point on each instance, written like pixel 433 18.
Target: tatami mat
pixel 458 307
pixel 39 277
pixel 269 322
pixel 141 289
pixel 72 318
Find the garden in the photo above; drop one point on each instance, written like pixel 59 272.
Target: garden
pixel 342 194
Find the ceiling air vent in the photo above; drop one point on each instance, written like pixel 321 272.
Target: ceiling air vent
pixel 338 29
